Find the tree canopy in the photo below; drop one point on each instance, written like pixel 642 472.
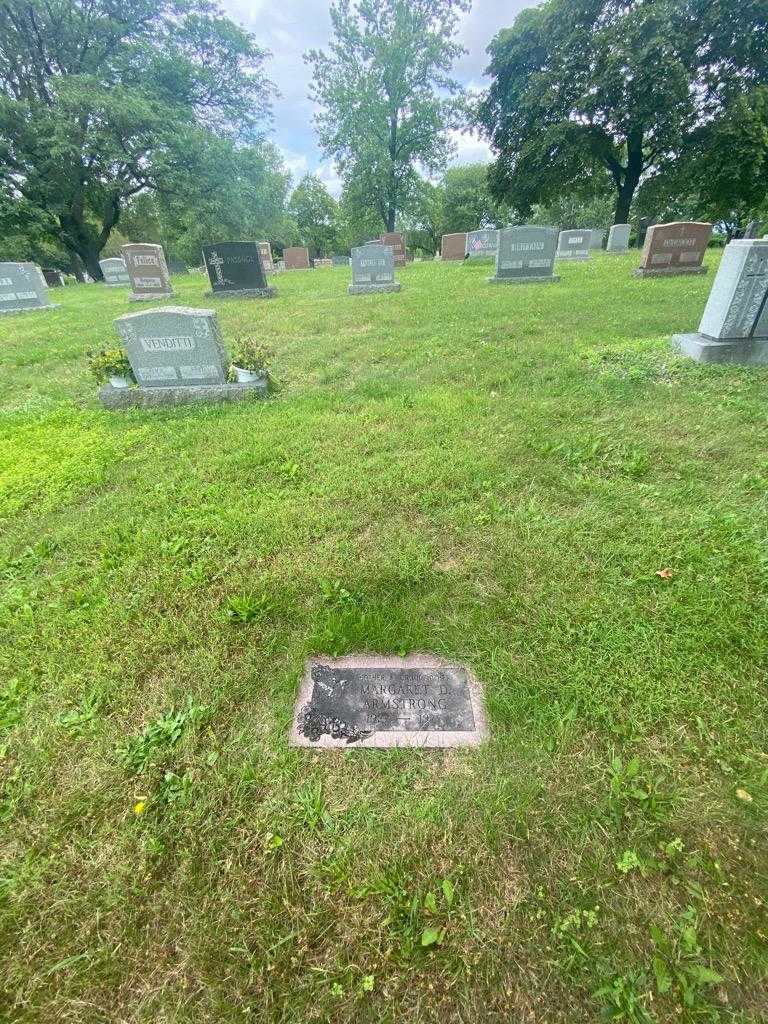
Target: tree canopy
pixel 101 100
pixel 387 99
pixel 315 212
pixel 593 92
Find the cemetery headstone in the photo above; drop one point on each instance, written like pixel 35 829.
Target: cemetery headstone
pixel 296 258
pixel 397 241
pixel 369 701
pixel 753 229
pixel 482 244
pixel 574 244
pixel 115 272
pixel 147 271
pixel 178 357
pixel 280 265
pixel 323 264
pixel 177 267
pixel 53 278
pixel 373 270
pixel 618 238
pixel 267 260
pixel 341 261
pixel 235 271
pixel 643 225
pixel 454 247
pixel 734 328
pixel 676 248
pixel 598 237
pixel 525 254
pixel 23 288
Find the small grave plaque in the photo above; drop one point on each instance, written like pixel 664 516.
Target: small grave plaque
pixel 454 247
pixel 575 244
pixel 482 244
pixel 267 260
pixel 147 271
pixel 618 238
pixel 115 273
pixel 371 701
pixel 296 258
pixel 23 288
pixel 373 270
pixel 525 254
pixel 734 328
pixel 397 241
pixel 672 249
pixel 235 271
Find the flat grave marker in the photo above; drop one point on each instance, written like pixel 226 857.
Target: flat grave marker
pixel 574 244
pixel 147 271
pixel 381 701
pixel 734 327
pixel 525 254
pixel 115 272
pixel 235 271
pixel 454 246
pixel 676 248
pixel 373 270
pixel 23 288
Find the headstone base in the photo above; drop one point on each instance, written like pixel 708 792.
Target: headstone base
pixel 572 259
pixel 550 278
pixel 244 293
pixel 373 289
pixel 119 284
pixel 30 309
pixel 752 352
pixel 152 398
pixel 670 272
pixel 140 297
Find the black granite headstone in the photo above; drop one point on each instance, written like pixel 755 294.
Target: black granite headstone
pixel 235 268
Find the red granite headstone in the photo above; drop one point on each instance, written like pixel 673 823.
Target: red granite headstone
pixel 454 247
pixel 296 258
pixel 676 248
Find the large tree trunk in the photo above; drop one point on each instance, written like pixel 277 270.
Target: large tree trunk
pixel 627 182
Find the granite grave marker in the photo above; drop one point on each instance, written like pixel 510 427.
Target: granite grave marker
pixel 397 241
pixel 373 270
pixel 574 244
pixel 147 271
pixel 734 328
pixel 23 288
pixel 482 244
pixel 454 246
pixel 618 238
pixel 177 267
pixel 267 259
pixel 525 254
pixel 676 248
pixel 597 239
pixel 235 271
pixel 53 278
pixel 115 272
pixel 296 258
pixel 372 701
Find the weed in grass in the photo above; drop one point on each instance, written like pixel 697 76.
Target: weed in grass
pixel 633 790
pixel 680 969
pixel 247 608
pixel 159 738
pixel 622 999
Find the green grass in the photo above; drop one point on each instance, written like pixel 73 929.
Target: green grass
pixel 493 474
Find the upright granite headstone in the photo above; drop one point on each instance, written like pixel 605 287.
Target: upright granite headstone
pixel 235 271
pixel 267 260
pixel 341 261
pixel 23 288
pixel 177 267
pixel 644 224
pixel 574 244
pixel 482 244
pixel 53 278
pixel 115 272
pixel 525 254
pixel 734 328
pixel 676 248
pixel 454 247
pixel 373 270
pixel 147 271
pixel 597 239
pixel 618 238
pixel 177 356
pixel 379 701
pixel 752 229
pixel 397 241
pixel 296 258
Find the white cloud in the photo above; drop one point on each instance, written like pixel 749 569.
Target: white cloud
pixel 471 149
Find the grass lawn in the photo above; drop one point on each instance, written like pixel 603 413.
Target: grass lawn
pixel 493 474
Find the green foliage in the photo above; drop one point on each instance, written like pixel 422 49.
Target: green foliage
pixel 110 362
pixel 387 97
pixel 249 354
pixel 157 739
pixel 315 212
pixel 678 965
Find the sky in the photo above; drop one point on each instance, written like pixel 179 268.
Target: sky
pixel 288 28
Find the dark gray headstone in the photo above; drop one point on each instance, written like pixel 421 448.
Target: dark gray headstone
pixel 53 278
pixel 734 328
pixel 482 244
pixel 22 288
pixel 235 270
pixel 372 701
pixel 752 229
pixel 525 254
pixel 174 346
pixel 147 271
pixel 177 267
pixel 115 273
pixel 575 244
pixel 373 270
pixel 340 261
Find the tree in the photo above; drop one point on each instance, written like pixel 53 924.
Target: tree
pixel 315 212
pixel 468 203
pixel 386 95
pixel 589 92
pixel 101 100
